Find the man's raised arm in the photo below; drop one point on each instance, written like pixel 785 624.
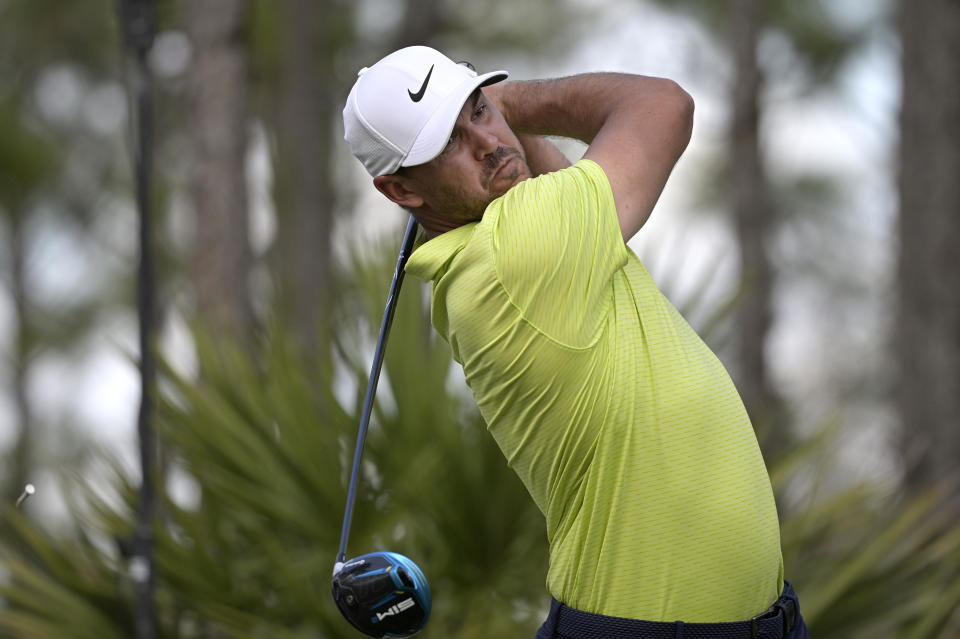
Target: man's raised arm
pixel 636 128
pixel 542 155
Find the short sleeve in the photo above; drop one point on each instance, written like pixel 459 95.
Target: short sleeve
pixel 557 247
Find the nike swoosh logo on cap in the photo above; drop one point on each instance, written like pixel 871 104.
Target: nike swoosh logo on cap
pixel 416 97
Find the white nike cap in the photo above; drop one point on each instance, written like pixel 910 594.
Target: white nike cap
pixel 401 111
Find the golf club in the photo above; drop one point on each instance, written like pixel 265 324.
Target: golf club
pixel 381 594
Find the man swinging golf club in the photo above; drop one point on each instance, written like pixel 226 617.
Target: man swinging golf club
pixel 623 425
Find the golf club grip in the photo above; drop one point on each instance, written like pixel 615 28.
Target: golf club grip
pixel 408 239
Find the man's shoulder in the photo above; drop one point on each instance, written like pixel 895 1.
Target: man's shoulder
pixel 431 260
pixel 535 210
pixel 576 176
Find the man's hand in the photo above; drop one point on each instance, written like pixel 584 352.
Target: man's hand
pixel 636 128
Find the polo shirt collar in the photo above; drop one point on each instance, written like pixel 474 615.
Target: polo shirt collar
pixel 431 259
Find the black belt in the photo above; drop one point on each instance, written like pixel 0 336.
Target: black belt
pixel 774 623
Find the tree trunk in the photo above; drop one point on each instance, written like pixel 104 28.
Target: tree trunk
pixel 928 275
pixel 753 215
pixel 422 20
pixel 218 80
pixel 310 98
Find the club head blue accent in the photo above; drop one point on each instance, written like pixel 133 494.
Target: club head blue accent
pixel 383 594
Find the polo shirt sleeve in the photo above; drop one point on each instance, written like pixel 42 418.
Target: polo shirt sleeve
pixel 557 247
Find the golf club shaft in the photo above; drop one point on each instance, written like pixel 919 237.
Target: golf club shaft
pixel 392 296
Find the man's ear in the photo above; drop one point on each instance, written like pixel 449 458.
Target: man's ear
pixel 395 189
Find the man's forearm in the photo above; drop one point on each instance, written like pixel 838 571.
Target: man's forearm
pixel 542 155
pixel 636 127
pixel 578 106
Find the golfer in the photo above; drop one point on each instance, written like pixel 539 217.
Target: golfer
pixel 622 424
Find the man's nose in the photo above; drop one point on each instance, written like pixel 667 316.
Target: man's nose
pixel 485 142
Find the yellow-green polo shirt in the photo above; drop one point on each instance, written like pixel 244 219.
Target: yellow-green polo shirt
pixel 623 425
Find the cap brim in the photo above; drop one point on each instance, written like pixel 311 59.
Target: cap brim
pixel 436 132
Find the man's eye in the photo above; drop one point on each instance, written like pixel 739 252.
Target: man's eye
pixel 479 110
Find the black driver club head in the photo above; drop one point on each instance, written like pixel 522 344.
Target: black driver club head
pixel 382 594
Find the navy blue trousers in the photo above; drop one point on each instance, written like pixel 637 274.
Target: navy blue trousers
pixel 781 621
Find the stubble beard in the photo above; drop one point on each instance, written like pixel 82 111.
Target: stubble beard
pixel 461 206
pixel 473 208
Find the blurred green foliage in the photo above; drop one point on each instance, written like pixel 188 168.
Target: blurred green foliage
pixel 265 441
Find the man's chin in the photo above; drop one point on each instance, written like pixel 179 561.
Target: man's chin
pixel 512 173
